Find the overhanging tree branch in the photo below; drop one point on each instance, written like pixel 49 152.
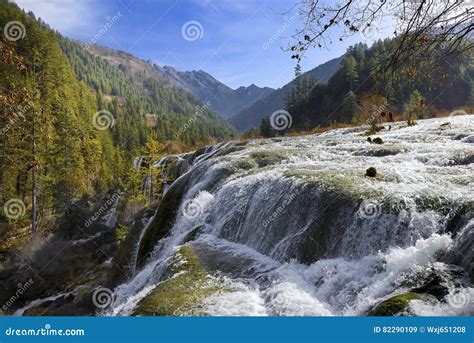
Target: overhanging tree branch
pixel 428 32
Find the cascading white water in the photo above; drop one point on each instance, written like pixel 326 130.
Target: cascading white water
pixel 298 229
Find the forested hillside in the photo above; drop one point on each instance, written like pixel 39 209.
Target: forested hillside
pixel 46 122
pixel 340 100
pixel 141 100
pixel 72 122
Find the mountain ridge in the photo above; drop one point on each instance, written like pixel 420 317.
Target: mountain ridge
pixel 222 98
pixel 252 115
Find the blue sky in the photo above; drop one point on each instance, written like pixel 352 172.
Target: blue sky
pixel 236 44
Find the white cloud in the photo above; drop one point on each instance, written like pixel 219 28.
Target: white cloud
pixel 66 16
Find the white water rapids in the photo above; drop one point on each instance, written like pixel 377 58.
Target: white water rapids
pixel 279 228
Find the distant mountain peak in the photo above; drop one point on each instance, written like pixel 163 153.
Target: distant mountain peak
pixel 203 85
pixel 264 105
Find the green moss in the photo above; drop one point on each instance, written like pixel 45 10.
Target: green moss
pixel 121 232
pixel 394 305
pixel 243 163
pixel 182 293
pixel 347 183
pixel 266 158
pixel 433 202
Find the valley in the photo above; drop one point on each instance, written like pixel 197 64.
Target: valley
pixel 130 187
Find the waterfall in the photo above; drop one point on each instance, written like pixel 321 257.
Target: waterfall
pixel 112 216
pixel 293 226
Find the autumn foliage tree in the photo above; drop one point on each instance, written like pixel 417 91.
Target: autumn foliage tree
pixel 372 110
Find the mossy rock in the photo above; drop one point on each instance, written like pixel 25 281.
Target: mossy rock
pixel 444 125
pixel 433 202
pixel 162 222
pixel 378 152
pixel 395 305
pixel 121 267
pixel 347 183
pixel 182 293
pixel 266 158
pixel 463 160
pixel 243 164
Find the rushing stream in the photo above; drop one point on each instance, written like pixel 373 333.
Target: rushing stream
pixel 293 226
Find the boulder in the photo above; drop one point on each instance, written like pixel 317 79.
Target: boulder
pixel 371 172
pixel 394 306
pixel 181 294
